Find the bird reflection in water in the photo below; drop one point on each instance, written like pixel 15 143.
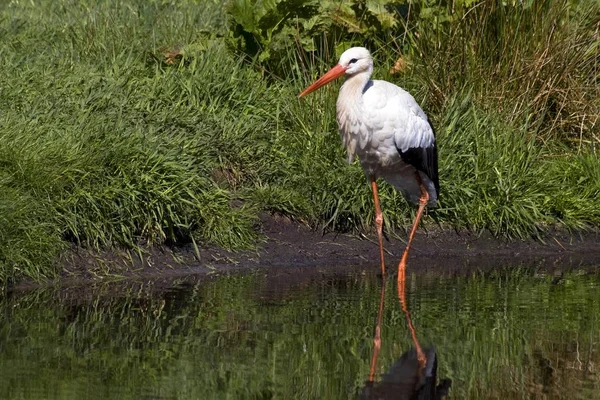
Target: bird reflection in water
pixel 414 374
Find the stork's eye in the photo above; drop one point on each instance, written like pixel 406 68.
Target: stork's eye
pixel 352 61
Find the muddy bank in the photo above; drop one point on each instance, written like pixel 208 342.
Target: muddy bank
pixel 290 249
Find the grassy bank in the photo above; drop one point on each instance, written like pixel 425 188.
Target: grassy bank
pixel 131 122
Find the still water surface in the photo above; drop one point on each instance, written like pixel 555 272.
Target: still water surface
pixel 510 334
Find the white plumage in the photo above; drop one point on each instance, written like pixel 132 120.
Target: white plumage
pixel 378 120
pixel 384 126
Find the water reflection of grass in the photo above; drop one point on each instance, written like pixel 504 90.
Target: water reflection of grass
pixel 516 334
pixel 235 338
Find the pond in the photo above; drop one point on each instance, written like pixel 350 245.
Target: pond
pixel 513 333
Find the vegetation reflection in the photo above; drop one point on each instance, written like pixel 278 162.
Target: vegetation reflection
pixel 513 335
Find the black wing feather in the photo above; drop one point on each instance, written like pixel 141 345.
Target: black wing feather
pixel 424 159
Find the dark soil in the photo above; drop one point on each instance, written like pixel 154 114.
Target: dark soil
pixel 291 248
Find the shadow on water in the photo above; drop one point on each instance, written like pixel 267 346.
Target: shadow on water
pixel 514 333
pixel 406 379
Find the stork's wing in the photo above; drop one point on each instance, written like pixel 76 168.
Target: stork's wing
pixel 395 109
pixel 422 154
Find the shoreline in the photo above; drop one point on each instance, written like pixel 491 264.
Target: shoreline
pixel 293 248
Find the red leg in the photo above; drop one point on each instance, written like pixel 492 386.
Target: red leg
pixel 413 332
pixel 378 222
pixel 422 203
pixel 377 337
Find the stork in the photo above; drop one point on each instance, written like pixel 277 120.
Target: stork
pixel 384 126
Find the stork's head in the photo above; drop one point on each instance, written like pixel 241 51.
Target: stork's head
pixel 353 61
pixel 356 60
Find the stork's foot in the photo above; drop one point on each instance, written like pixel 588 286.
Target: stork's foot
pixel 422 358
pixel 423 200
pixel 378 224
pixel 402 270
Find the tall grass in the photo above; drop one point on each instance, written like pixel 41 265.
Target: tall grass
pixel 104 145
pixel 105 141
pixel 534 60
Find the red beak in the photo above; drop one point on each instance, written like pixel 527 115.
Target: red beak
pixel 329 76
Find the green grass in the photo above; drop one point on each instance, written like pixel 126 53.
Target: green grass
pixel 103 143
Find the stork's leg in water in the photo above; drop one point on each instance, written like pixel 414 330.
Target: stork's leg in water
pixel 377 337
pixel 424 199
pixel 378 221
pixel 413 332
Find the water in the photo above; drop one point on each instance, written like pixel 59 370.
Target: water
pixel 517 334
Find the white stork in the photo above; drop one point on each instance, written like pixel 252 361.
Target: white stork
pixel 383 124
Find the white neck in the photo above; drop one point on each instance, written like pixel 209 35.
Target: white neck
pixel 350 109
pixel 353 87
